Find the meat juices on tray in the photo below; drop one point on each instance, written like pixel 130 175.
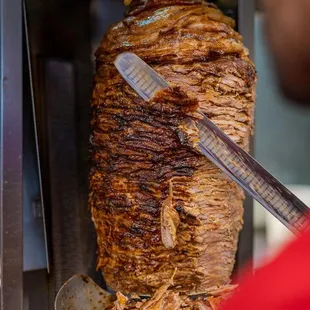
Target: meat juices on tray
pixel 158 206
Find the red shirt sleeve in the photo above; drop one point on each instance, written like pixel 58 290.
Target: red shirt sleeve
pixel 282 284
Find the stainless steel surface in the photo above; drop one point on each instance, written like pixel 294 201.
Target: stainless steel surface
pixel 11 134
pixel 35 231
pixel 59 41
pixel 34 254
pixel 59 32
pixel 82 293
pixel 67 232
pixel 36 295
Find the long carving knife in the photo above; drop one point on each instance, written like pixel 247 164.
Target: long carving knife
pixel 223 152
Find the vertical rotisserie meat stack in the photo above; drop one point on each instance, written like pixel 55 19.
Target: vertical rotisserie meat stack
pixel 160 208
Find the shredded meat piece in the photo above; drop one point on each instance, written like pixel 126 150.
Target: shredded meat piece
pixel 166 299
pixel 157 204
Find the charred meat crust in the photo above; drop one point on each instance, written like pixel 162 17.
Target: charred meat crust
pixel 139 6
pixel 138 159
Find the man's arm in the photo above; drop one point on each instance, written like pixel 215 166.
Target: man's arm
pixel 288 30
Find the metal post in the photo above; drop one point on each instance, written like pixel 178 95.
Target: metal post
pixel 246 13
pixel 11 212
